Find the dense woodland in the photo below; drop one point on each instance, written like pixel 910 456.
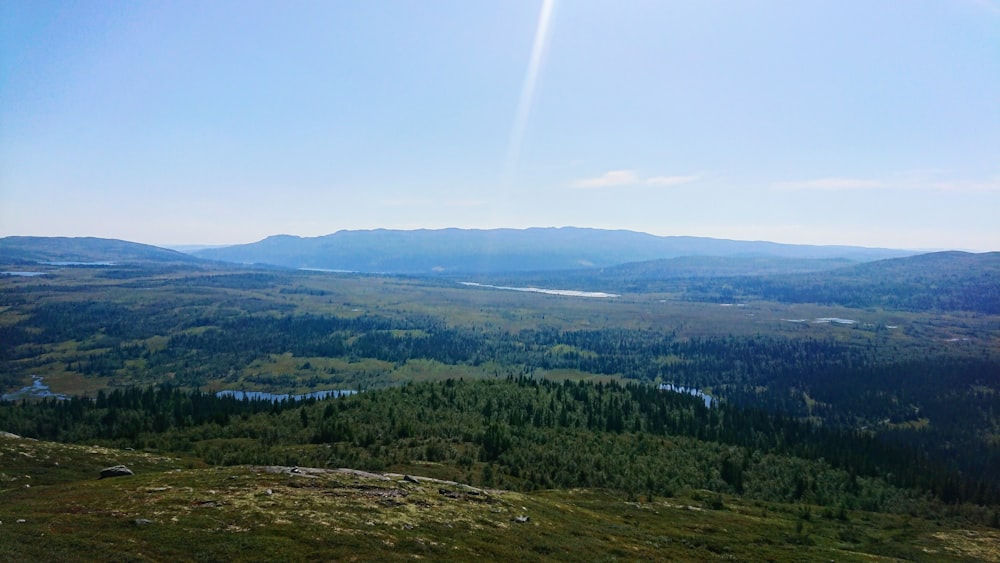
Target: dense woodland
pixel 940 281
pixel 866 416
pixel 838 384
pixel 524 434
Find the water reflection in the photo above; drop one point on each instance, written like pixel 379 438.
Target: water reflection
pixel 274 397
pixel 678 389
pixel 37 390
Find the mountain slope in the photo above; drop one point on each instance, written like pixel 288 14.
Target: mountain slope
pixel 504 250
pixel 957 281
pixel 934 281
pixel 30 250
pixel 645 275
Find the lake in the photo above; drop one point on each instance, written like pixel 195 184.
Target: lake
pixel 37 390
pixel 71 263
pixel 566 292
pixel 273 397
pixel 678 389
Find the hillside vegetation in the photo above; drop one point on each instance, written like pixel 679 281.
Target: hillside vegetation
pixel 938 281
pixel 872 430
pixel 173 509
pixel 31 250
pixel 941 281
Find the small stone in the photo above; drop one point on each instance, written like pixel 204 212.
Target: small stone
pixel 409 479
pixel 21 520
pixel 522 519
pixel 268 492
pixel 142 521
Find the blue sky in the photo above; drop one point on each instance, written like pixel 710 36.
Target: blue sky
pixel 823 122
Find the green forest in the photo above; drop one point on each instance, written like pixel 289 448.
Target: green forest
pixel 522 434
pixel 889 409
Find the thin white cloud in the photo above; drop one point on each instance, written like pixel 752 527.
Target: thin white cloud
pixel 617 178
pixel 835 184
pixel 465 202
pixel 670 180
pixel 609 180
pixel 966 187
pixel 902 184
pixel 862 234
pixel 416 201
pixel 403 201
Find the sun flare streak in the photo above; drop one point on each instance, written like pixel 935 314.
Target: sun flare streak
pixel 528 89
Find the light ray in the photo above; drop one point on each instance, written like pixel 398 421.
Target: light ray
pixel 528 91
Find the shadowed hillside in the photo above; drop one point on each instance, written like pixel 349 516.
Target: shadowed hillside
pixel 936 281
pixel 31 250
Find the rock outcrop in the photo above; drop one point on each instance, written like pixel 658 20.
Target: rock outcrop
pixel 116 471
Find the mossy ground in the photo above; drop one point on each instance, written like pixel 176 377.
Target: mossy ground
pixel 176 510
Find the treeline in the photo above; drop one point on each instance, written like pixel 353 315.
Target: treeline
pixel 525 434
pixel 940 281
pixel 981 296
pixel 631 353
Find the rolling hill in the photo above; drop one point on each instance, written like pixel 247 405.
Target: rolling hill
pixel 945 281
pixel 935 281
pixel 34 250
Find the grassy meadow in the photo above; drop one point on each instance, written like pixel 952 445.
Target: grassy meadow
pixel 177 510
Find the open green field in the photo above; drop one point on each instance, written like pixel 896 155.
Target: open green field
pixel 141 309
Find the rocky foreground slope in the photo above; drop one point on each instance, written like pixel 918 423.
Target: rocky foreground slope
pixel 53 506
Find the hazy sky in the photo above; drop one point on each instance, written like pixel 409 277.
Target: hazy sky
pixel 874 123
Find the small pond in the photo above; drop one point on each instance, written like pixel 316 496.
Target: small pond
pixel 37 390
pixel 678 389
pixel 274 397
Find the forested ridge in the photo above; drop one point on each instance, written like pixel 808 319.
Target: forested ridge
pixel 937 281
pixel 520 433
pixel 940 281
pixel 842 385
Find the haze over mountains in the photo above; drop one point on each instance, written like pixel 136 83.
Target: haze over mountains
pixel 507 250
pixel 699 269
pixel 30 250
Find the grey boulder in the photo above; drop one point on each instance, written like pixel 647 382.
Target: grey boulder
pixel 116 471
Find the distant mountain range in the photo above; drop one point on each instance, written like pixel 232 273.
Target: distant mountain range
pixel 699 269
pixel 508 250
